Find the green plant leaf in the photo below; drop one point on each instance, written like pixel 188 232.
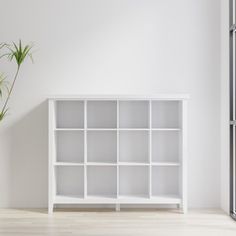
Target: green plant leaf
pixel 19 52
pixel 3 114
pixel 3 84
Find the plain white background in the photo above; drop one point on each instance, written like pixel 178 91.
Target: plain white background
pixel 111 47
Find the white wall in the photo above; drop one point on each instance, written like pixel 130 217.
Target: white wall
pixel 225 105
pixel 121 47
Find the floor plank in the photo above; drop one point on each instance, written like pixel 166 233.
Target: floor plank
pixel 127 222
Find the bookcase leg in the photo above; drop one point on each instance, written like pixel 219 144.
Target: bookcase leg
pixel 182 208
pixel 50 209
pixel 117 207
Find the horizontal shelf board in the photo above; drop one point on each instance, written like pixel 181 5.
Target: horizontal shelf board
pixel 134 129
pixel 100 164
pixel 133 164
pixel 69 129
pixel 125 196
pixel 92 197
pixel 166 129
pixel 112 199
pixel 101 129
pixel 115 129
pixel 68 164
pixel 167 97
pixel 165 164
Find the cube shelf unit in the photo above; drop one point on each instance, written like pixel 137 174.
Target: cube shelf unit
pixel 118 150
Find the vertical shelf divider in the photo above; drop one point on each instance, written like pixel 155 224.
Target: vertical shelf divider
pixel 85 148
pixel 150 148
pixel 183 180
pixel 51 153
pixel 118 153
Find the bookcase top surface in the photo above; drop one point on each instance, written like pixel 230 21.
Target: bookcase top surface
pixel 176 96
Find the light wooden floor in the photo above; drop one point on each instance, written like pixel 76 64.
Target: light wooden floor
pixel 137 223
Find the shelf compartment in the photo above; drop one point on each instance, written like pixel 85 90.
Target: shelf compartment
pixel 102 146
pixel 166 114
pixel 69 181
pixel 134 114
pixel 165 146
pixel 70 146
pixel 133 146
pixel 70 114
pixel 102 114
pixel 133 181
pixel 101 181
pixel 165 181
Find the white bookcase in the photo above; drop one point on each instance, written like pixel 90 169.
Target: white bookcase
pixel 118 150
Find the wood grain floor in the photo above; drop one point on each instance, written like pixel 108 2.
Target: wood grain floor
pixel 104 223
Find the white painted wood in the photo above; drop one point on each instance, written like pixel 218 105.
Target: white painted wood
pixel 165 114
pixel 70 146
pixel 165 181
pixel 101 164
pixel 134 180
pixel 101 181
pixel 117 207
pixel 133 114
pixel 85 149
pixel 51 118
pixel 184 155
pixel 165 146
pixel 101 114
pixel 68 164
pixel 70 181
pixel 70 114
pixel 123 150
pixel 150 148
pixel 123 199
pixel 165 164
pixel 133 146
pixel 118 151
pixel 120 97
pixel 69 129
pixel 133 164
pixel 101 146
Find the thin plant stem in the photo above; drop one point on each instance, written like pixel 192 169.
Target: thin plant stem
pixel 10 91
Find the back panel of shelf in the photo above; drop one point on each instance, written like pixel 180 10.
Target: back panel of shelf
pixel 133 114
pixel 69 181
pixel 101 114
pixel 165 181
pixel 133 146
pixel 166 114
pixel 69 146
pixel 69 114
pixel 102 181
pixel 166 146
pixel 133 181
pixel 102 146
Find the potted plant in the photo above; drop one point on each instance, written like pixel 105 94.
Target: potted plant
pixel 16 52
